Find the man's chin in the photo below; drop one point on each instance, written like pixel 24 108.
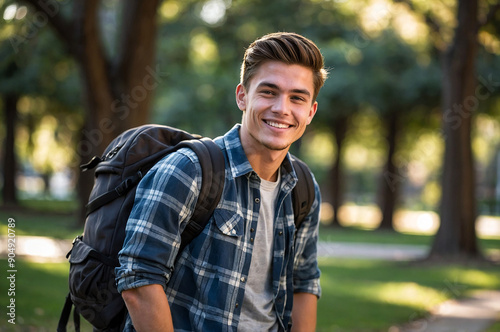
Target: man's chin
pixel 276 147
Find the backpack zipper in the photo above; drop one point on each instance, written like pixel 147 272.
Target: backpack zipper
pixel 112 153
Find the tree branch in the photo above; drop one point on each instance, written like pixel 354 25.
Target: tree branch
pixel 131 40
pixel 492 11
pixel 86 34
pixel 434 26
pixel 90 50
pixel 61 25
pixel 135 56
pixel 429 20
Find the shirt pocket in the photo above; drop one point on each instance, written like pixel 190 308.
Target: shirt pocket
pixel 228 222
pixel 217 250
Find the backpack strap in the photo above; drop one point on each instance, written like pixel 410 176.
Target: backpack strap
pixel 111 195
pixel 303 193
pixel 213 177
pixel 66 312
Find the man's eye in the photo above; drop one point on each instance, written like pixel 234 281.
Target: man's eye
pixel 298 98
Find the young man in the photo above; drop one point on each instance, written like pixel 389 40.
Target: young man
pixel 248 268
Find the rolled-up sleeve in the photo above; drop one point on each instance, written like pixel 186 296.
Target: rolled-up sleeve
pixel 164 201
pixel 306 271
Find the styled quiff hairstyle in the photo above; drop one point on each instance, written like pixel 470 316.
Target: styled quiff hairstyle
pixel 290 48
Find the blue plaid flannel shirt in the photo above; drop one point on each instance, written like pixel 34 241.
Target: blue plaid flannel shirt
pixel 205 287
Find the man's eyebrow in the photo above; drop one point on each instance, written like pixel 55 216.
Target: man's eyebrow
pixel 268 85
pixel 276 87
pixel 302 91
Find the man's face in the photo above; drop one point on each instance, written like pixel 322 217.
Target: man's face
pixel 277 106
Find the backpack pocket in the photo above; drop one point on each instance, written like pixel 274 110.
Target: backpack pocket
pixel 92 286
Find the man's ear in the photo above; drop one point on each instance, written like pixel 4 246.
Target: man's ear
pixel 241 99
pixel 312 112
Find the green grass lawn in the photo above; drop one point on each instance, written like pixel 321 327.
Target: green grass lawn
pixel 494 328
pixel 55 219
pixel 362 295
pixel 40 291
pixel 358 295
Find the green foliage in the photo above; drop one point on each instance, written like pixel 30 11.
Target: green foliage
pixel 199 57
pixel 35 67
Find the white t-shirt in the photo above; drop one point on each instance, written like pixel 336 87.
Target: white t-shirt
pixel 257 311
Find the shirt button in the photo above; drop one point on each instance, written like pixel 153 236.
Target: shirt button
pixel 243 279
pixel 252 230
pixel 251 239
pixel 257 200
pixel 280 233
pixel 237 305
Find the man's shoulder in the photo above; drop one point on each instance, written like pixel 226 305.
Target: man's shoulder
pixel 180 159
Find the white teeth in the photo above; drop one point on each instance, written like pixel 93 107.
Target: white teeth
pixel 277 125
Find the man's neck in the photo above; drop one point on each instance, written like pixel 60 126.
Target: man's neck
pixel 264 161
pixel 266 165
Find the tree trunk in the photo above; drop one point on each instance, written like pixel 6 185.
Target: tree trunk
pixel 117 92
pixel 390 180
pixel 9 192
pixel 456 237
pixel 336 174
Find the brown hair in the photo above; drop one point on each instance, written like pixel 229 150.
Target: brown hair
pixel 290 48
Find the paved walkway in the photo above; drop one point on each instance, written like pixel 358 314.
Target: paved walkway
pixel 474 314
pixel 393 252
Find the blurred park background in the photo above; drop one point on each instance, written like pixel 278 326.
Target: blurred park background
pixel 405 144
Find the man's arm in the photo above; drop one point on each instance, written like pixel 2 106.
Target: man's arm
pixel 148 307
pixel 152 238
pixel 304 312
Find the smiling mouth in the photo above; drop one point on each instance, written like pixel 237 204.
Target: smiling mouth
pixel 277 124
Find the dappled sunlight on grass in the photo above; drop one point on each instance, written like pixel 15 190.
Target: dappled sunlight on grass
pixel 475 278
pixel 59 226
pixel 408 294
pixel 358 295
pixel 388 293
pixel 40 294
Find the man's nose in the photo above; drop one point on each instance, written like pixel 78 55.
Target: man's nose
pixel 281 105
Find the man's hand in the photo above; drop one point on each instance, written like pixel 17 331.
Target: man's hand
pixel 304 312
pixel 148 307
